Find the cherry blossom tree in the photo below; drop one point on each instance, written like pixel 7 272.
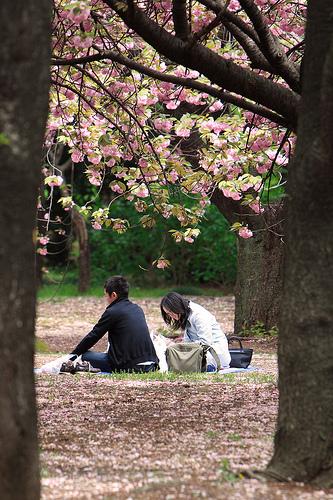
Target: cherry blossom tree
pixel 160 85
pixel 257 67
pixel 24 85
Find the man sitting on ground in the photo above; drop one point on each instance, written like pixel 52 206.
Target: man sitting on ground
pixel 130 346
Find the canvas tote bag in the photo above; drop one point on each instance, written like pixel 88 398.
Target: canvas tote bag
pixel 189 357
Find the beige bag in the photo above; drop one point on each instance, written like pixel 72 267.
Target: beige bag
pixel 189 357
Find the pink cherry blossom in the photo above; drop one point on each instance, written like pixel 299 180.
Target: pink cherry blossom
pixel 95 180
pixel 231 194
pixel 172 104
pixel 117 189
pixel 95 159
pixel 96 225
pixel 78 15
pixel 173 175
pixel 77 156
pixel 54 180
pixel 216 106
pixel 162 264
pixel 141 191
pixel 143 163
pixel 42 251
pixel 256 207
pixel 43 240
pixel 245 233
pixel 163 124
pixel 263 167
pixel 69 94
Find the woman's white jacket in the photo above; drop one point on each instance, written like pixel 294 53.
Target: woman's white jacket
pixel 202 326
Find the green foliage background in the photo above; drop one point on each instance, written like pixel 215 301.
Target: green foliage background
pixel 210 260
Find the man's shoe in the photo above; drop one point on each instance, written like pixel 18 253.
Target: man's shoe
pixel 68 367
pixel 85 366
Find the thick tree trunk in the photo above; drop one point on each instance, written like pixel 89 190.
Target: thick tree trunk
pixel 24 83
pixel 304 437
pixel 80 230
pixel 260 260
pixel 259 276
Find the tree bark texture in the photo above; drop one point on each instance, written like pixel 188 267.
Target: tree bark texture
pixel 24 84
pixel 259 281
pixel 260 260
pixel 304 436
pixel 80 230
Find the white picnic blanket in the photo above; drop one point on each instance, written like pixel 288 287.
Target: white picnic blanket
pixel 239 370
pixel 53 367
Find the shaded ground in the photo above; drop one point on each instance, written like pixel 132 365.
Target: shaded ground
pixel 139 438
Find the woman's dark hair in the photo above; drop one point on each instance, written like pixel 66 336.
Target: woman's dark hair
pixel 174 302
pixel 117 284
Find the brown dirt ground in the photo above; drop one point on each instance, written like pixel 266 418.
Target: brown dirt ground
pixel 134 439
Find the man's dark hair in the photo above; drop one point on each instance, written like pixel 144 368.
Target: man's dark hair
pixel 175 303
pixel 117 284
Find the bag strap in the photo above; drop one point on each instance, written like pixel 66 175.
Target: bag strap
pixel 233 337
pixel 214 354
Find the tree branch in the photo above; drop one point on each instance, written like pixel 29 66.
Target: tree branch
pixel 231 17
pixel 232 210
pixel 185 82
pixel 255 55
pixel 218 70
pixel 271 47
pixel 180 22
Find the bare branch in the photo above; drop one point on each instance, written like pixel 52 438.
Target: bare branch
pixel 295 47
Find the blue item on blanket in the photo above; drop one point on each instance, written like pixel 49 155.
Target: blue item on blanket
pixel 239 370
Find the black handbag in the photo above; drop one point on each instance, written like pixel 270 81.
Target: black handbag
pixel 240 357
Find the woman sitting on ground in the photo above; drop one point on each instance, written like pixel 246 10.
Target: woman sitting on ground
pixel 199 325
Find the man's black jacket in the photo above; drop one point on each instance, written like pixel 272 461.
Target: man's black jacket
pixel 129 339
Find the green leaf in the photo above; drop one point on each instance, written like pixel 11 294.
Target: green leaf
pixel 4 141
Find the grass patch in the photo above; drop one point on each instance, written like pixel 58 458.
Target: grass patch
pixel 258 330
pixel 212 434
pixel 41 347
pixel 66 290
pixel 228 378
pixel 226 474
pixel 234 437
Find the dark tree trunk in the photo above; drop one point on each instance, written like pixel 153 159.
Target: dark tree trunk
pixel 259 275
pixel 24 83
pixel 80 230
pixel 260 259
pixel 304 437
pixel 39 270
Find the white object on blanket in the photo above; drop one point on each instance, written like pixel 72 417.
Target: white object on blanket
pixel 160 344
pixel 53 367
